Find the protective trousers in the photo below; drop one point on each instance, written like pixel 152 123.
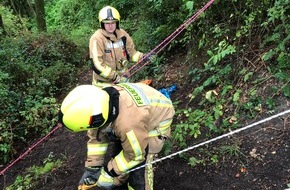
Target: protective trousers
pixel 140 179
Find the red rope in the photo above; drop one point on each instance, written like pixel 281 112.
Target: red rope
pixel 140 64
pixel 29 149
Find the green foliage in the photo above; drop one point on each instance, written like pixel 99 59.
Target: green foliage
pixel 278 55
pixel 222 50
pixel 286 91
pixel 283 77
pixel 212 155
pixel 32 176
pixel 13 25
pixel 40 115
pixel 34 70
pixel 191 125
pixel 230 150
pixel 270 103
pixel 167 148
pixel 222 85
pixel 75 19
pixel 193 161
pixel 219 72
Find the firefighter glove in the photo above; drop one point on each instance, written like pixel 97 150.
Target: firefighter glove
pixel 105 181
pixel 124 62
pixel 90 176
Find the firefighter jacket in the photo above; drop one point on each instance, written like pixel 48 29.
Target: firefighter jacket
pixel 106 50
pixel 145 116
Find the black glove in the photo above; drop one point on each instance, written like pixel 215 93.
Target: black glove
pixel 150 57
pixel 90 176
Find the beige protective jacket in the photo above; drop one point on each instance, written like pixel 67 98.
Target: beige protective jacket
pixel 106 50
pixel 145 115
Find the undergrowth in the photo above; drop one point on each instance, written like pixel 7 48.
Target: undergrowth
pixel 243 74
pixel 32 177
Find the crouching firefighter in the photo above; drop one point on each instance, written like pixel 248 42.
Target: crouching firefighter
pixel 133 114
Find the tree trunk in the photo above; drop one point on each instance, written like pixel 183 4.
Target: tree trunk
pixel 40 15
pixel 2 26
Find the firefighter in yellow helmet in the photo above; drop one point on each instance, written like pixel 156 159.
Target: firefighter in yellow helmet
pixel 133 114
pixel 112 49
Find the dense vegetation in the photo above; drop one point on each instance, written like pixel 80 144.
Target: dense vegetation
pixel 233 49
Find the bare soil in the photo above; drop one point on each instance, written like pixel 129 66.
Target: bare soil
pixel 259 161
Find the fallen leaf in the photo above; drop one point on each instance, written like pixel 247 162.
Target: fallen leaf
pixel 243 170
pixel 233 119
pixel 253 153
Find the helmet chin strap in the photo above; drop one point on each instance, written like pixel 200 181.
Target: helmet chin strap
pixel 113 103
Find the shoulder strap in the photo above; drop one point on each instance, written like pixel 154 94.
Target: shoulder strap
pixel 123 38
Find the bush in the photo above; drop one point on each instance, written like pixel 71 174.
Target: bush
pixel 34 71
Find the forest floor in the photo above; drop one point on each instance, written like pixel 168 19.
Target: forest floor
pixel 256 159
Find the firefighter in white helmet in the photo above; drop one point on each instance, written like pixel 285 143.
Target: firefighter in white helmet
pixel 112 50
pixel 134 114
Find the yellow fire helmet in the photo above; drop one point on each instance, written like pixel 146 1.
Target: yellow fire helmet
pixel 109 14
pixel 85 107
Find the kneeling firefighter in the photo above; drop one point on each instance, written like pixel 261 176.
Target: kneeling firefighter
pixel 133 114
